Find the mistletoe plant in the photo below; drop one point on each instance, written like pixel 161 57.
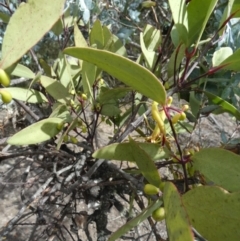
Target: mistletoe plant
pixel 166 66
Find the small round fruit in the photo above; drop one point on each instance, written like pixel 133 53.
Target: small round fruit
pixel 65 138
pixel 158 214
pixel 73 140
pixel 4 78
pixel 185 107
pixel 182 116
pixel 149 189
pixel 84 96
pixel 60 126
pixel 6 96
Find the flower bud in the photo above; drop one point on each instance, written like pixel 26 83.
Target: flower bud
pixel 176 118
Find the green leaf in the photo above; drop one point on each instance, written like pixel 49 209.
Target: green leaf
pixel 214 212
pixel 27 26
pixel 28 95
pixel 48 70
pixel 220 166
pixel 145 164
pixel 64 71
pixel 58 27
pixel 5 18
pixel 152 37
pixel 233 6
pixel 122 151
pixel 112 94
pixel 96 35
pixel 198 14
pixel 220 55
pixel 178 226
pixel 179 10
pixel 149 55
pixel 226 106
pixel 61 111
pixel 194 104
pixel 176 59
pixel 179 14
pixel 55 89
pixel 88 78
pixel 127 71
pixel 37 132
pixel 23 71
pixel 150 40
pixel 136 221
pixel 232 62
pixel 110 109
pixel 117 47
pixel 79 40
pixel 108 38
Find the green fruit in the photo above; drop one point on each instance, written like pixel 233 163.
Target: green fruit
pixel 6 96
pixel 84 96
pixel 161 186
pixel 4 78
pixel 159 214
pixel 65 138
pixel 73 140
pixel 60 126
pixel 149 189
pixel 182 116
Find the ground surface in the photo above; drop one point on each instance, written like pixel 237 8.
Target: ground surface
pixel 102 204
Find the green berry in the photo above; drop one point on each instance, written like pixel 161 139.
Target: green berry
pixel 182 116
pixel 4 78
pixel 159 214
pixel 6 96
pixel 149 189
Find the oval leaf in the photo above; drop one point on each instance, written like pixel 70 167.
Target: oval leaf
pixel 220 55
pixel 23 71
pixel 28 95
pixel 27 26
pixel 226 106
pixel 145 164
pixel 178 226
pixel 220 166
pixel 214 213
pixel 127 71
pixel 37 132
pixel 106 95
pixel 122 151
pixel 232 62
pixel 198 14
pixel 55 89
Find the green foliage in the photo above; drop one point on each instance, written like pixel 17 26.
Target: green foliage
pixel 81 78
pixel 37 132
pixel 178 225
pixel 136 221
pixel 127 71
pixel 15 43
pixel 122 151
pixel 28 95
pixel 209 208
pixel 217 165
